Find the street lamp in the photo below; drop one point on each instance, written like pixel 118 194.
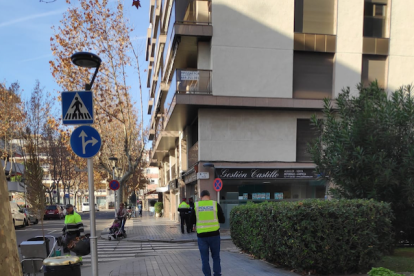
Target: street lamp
pixel 87 60
pixel 114 161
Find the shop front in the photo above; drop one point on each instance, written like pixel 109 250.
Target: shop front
pixel 190 181
pixel 241 185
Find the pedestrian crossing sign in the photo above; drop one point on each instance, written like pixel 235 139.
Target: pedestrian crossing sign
pixel 77 108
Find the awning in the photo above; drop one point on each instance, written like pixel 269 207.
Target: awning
pixel 162 189
pixel 151 192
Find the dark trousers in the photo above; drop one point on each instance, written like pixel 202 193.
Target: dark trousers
pixel 205 245
pixel 185 218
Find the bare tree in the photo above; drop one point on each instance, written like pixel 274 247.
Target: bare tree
pixel 36 114
pixel 97 26
pixel 11 117
pixel 9 256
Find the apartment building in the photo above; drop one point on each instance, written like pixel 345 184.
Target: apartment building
pixel 233 84
pixel 150 192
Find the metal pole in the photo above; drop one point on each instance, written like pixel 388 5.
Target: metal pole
pixel 93 238
pixel 113 177
pixel 218 197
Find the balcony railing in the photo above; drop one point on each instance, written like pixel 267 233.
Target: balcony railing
pixel 188 81
pixel 160 127
pixel 193 155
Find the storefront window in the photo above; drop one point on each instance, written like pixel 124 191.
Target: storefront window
pixel 237 192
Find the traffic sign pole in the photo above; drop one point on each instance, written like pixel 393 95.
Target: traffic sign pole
pixel 93 237
pixel 218 185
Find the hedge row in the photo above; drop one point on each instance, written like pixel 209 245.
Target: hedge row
pixel 338 236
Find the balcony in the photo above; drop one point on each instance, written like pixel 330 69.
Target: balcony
pixel 184 20
pixel 187 81
pixel 193 155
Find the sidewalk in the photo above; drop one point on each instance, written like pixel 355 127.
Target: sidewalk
pixel 182 259
pixel 187 263
pixel 151 228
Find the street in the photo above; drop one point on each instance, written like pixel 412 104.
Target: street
pixel 54 227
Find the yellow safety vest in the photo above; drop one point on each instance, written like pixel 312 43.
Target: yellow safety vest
pixel 183 205
pixel 73 222
pixel 206 213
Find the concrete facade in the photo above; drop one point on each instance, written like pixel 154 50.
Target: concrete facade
pixel 248 135
pixel 249 44
pixel 228 79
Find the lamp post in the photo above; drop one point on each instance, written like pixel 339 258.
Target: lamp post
pixel 211 165
pixel 114 162
pixel 89 60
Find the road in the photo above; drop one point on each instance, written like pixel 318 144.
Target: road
pixel 54 227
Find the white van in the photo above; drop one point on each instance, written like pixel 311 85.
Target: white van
pixel 85 207
pixel 19 218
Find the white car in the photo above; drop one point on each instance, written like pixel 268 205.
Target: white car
pixel 19 218
pixel 85 207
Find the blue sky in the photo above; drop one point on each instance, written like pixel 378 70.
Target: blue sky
pixel 25 31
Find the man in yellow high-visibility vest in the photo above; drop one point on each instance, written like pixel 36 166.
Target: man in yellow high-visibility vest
pixel 207 216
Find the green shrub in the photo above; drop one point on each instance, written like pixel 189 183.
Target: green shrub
pixel 338 236
pixel 380 271
pixel 158 207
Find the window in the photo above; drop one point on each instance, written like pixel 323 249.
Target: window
pixel 373 68
pixel 315 16
pixel 305 135
pixel 375 18
pixel 152 181
pixel 312 75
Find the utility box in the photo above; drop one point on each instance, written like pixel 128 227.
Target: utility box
pixel 33 249
pixel 33 253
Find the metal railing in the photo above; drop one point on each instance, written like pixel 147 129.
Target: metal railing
pixel 188 81
pixel 193 155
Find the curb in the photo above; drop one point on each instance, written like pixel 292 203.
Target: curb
pixel 104 236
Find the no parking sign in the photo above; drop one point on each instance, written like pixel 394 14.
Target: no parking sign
pixel 114 185
pixel 218 184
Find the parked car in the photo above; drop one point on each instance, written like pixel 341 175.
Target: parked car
pixel 54 211
pixel 31 217
pixel 19 218
pixel 85 207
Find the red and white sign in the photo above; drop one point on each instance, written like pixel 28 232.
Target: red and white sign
pixel 218 184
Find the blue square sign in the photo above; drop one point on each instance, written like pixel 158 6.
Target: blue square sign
pixel 77 108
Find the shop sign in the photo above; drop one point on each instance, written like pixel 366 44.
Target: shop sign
pixel 190 177
pixel 203 175
pixel 242 173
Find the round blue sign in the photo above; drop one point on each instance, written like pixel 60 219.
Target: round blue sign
pixel 85 141
pixel 217 184
pixel 114 185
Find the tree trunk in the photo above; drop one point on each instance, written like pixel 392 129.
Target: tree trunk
pixel 9 257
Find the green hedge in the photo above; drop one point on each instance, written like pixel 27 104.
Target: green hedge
pixel 338 236
pixel 158 207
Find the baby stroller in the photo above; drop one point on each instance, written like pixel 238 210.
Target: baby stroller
pixel 115 231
